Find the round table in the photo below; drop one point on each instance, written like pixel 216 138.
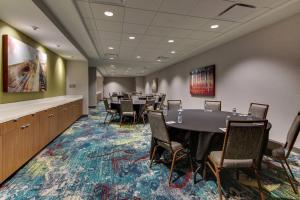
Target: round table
pixel 203 126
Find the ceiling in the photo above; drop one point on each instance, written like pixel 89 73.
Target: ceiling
pixel 26 15
pixel 83 31
pixel 153 23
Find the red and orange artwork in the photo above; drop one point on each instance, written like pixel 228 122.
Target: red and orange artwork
pixel 202 81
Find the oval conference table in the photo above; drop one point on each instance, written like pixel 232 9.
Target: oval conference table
pixel 204 132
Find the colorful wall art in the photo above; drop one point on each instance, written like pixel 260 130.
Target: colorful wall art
pixel 24 67
pixel 202 81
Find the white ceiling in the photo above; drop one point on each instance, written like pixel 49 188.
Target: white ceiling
pixel 154 22
pixel 24 14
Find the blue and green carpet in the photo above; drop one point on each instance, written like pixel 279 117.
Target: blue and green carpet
pixel 91 160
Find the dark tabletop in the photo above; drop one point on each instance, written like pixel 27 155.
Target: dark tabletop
pixel 135 102
pixel 197 120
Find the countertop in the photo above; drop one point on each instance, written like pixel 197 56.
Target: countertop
pixel 11 111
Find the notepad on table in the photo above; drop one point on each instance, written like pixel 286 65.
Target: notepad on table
pixel 170 122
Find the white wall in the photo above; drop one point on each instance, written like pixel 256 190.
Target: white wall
pixel 118 84
pixel 263 66
pixel 140 84
pixel 92 87
pixel 77 75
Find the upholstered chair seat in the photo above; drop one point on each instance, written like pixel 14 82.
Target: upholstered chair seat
pixel 174 145
pixel 216 157
pixel 129 113
pixel 278 153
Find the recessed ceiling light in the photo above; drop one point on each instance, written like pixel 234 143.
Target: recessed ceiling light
pixel 111 58
pixel 138 57
pixel 173 52
pixel 35 28
pixel 111 48
pixel 109 13
pixel 170 41
pixel 131 37
pixel 158 60
pixel 214 26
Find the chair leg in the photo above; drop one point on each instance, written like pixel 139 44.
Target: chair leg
pixel 261 194
pixel 152 156
pixel 289 178
pixel 204 171
pixel 105 117
pixel 288 166
pixel 237 173
pixel 112 116
pixel 143 118
pixel 191 162
pixel 121 120
pixel 172 166
pixel 219 183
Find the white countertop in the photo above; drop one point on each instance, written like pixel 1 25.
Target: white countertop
pixel 11 111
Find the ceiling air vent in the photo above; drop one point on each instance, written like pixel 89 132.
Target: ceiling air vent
pixel 110 56
pixel 109 2
pixel 237 11
pixel 162 58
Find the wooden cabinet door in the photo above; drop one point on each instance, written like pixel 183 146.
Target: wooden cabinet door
pixel 26 135
pixel 12 148
pixel 1 156
pixel 63 118
pixel 43 135
pixel 53 123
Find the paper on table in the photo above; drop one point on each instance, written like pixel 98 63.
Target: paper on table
pixel 170 122
pixel 223 129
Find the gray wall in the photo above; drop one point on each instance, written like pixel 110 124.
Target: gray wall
pixel 263 66
pixel 118 84
pixel 140 84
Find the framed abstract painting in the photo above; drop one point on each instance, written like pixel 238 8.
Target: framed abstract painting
pixel 24 67
pixel 202 81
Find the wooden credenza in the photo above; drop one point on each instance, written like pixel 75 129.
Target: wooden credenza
pixel 22 138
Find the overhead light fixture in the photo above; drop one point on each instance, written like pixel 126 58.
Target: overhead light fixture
pixel 173 52
pixel 35 28
pixel 170 41
pixel 138 57
pixel 109 13
pixel 158 60
pixel 131 37
pixel 111 48
pixel 214 26
pixel 111 58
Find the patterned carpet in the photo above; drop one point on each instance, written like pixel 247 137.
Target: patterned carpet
pixel 94 161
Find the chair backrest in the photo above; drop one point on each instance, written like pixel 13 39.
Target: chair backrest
pixel 212 105
pixel 134 97
pixel 126 106
pixel 150 104
pixel 174 104
pixel 158 126
pixel 106 104
pixel 126 96
pixel 259 110
pixel 161 103
pixel 243 139
pixel 292 134
pixel 114 98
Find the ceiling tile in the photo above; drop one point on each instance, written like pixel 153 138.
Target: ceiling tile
pixel 147 39
pixel 105 35
pixel 99 9
pixel 180 33
pixel 144 4
pixel 134 28
pixel 137 16
pixel 178 6
pixel 104 25
pixel 223 26
pixel 169 20
pixel 90 23
pixel 194 23
pixel 210 8
pixel 110 43
pixel 84 8
pixel 202 35
pixel 159 31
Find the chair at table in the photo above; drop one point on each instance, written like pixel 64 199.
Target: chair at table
pixel 161 138
pixel 242 146
pixel 212 105
pixel 135 98
pixel 282 153
pixel 126 110
pixel 150 104
pixel 109 111
pixel 161 103
pixel 258 110
pixel 126 96
pixel 174 104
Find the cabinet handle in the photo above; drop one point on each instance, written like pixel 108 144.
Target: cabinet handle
pixel 25 126
pixel 52 115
